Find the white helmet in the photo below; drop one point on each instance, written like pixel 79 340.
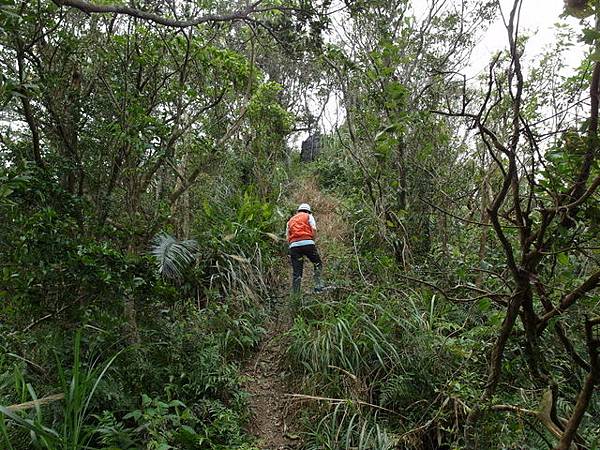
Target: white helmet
pixel 304 207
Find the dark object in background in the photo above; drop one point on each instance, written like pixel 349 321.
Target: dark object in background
pixel 311 148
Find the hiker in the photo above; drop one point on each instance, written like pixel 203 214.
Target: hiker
pixel 300 233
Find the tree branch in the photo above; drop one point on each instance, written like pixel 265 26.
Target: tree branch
pixel 569 299
pixel 587 390
pixel 91 8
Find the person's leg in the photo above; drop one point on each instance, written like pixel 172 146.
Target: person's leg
pixel 313 255
pixel 297 269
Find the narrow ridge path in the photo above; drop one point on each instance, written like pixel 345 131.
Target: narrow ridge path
pixel 272 421
pixel 273 413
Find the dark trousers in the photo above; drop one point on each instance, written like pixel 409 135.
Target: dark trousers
pixel 297 255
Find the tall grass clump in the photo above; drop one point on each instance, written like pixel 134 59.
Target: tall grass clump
pixel 73 431
pixel 349 343
pixel 345 427
pixel 376 365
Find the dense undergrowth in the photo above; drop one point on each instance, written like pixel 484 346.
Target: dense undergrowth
pixel 172 381
pixel 389 362
pixel 385 362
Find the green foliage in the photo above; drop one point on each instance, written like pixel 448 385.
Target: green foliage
pixel 79 387
pixel 385 356
pixel 89 280
pixel 239 237
pixel 11 182
pixel 134 130
pixel 349 340
pixel 343 427
pixel 266 113
pixel 171 424
pixel 270 123
pixel 115 128
pixel 198 370
pixel 191 395
pixel 173 257
pixel 47 252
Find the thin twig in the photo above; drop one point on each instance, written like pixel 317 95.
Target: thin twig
pixel 340 400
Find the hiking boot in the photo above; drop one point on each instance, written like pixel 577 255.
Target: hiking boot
pixel 296 284
pixel 318 282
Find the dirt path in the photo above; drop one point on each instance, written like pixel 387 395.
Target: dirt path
pixel 273 413
pixel 272 419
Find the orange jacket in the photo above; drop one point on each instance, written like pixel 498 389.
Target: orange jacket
pixel 299 228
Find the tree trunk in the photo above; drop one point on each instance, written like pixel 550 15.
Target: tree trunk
pixel 133 334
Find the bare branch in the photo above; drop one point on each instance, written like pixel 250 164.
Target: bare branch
pixel 35 403
pixel 91 8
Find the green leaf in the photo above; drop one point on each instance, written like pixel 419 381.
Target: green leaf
pixel 552 323
pixel 563 259
pixel 484 305
pixel 135 415
pixel 5 191
pixel 590 35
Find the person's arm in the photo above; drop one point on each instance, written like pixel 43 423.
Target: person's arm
pixel 313 224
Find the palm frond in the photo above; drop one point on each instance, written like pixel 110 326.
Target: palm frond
pixel 173 256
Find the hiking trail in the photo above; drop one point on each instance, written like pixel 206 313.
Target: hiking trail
pixel 272 422
pixel 273 411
